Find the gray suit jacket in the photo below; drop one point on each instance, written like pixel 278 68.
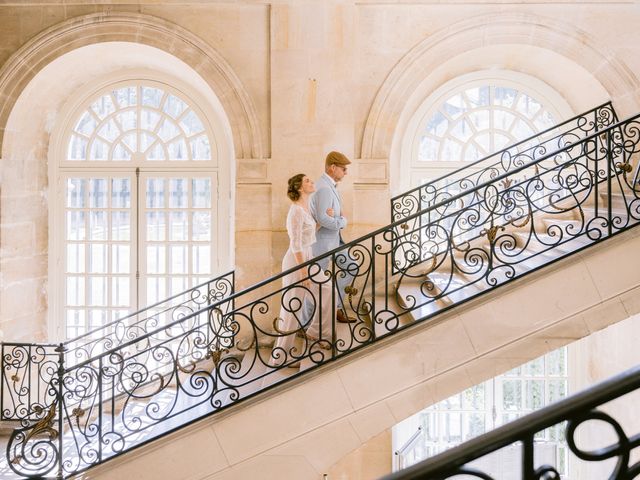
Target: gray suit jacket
pixel 326 196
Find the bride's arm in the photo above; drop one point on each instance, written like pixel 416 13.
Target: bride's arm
pixel 295 235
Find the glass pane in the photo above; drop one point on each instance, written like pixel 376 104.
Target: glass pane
pixel 104 106
pixel 156 259
pixel 120 225
pixel 462 130
pixel 556 362
pixel 201 226
pixel 521 130
pixel 125 97
pixel 109 131
pixel 179 229
pixel 451 151
pixel 155 193
pixel 534 397
pixel 97 318
pixel 86 125
pixel 178 150
pixel 534 367
pixel 453 427
pixel 504 96
pixel 130 141
pixel 178 193
pixel 178 259
pixel 201 255
pixel 75 290
pixel 503 120
pixel 528 106
pixel 127 120
pixel 97 258
pixel 454 106
pixel 98 193
pixel 178 285
pixel 473 398
pixel 201 193
pixel 121 153
pixel 151 96
pixel 76 190
pixel 480 119
pixel 120 291
pixel 97 290
pixel 99 150
pixel 475 425
pixel 98 225
pixel 149 119
pixel 120 193
pixel 200 148
pixel 75 321
pixel 478 96
pixel 156 226
pixel 511 395
pixel 174 106
pixel 437 125
pixel 557 390
pixel 191 124
pixel 168 130
pixel 156 289
pixel 76 229
pixel 156 153
pixel 428 149
pixel 501 141
pixel 77 148
pixel 120 259
pixel 75 258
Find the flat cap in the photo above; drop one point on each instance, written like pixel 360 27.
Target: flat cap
pixel 336 158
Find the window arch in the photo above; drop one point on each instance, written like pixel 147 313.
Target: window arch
pixel 472 117
pixel 143 199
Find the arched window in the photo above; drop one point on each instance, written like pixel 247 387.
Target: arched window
pixel 472 117
pixel 139 202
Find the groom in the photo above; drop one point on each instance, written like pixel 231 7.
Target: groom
pixel 328 236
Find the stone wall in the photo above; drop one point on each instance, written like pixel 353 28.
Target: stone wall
pixel 296 79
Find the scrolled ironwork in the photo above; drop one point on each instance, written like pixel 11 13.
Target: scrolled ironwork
pixel 194 356
pixel 570 413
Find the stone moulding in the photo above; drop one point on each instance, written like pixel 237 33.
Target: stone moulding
pixel 85 30
pixel 485 30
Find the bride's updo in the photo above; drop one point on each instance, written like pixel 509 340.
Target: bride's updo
pixel 295 184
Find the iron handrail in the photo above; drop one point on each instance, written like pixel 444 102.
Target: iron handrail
pixel 470 165
pixel 343 248
pixel 573 408
pixel 124 373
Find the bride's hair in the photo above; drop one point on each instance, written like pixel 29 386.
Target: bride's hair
pixel 295 184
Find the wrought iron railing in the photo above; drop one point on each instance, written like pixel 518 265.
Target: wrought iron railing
pixel 138 390
pixel 573 412
pixel 502 161
pixel 28 369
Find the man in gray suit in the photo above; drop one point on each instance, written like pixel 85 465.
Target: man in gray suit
pixel 328 236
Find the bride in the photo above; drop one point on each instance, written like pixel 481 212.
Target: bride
pixel 302 296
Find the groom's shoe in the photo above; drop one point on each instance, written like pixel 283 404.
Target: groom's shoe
pixel 342 317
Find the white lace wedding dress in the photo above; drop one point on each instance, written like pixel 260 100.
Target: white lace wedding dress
pixel 301 228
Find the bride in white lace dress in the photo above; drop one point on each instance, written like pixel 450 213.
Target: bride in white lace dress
pixel 294 313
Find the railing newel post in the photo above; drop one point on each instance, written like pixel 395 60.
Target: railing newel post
pixel 609 170
pixel 334 289
pixel 60 398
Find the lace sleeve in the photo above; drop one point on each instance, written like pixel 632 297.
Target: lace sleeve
pixel 295 223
